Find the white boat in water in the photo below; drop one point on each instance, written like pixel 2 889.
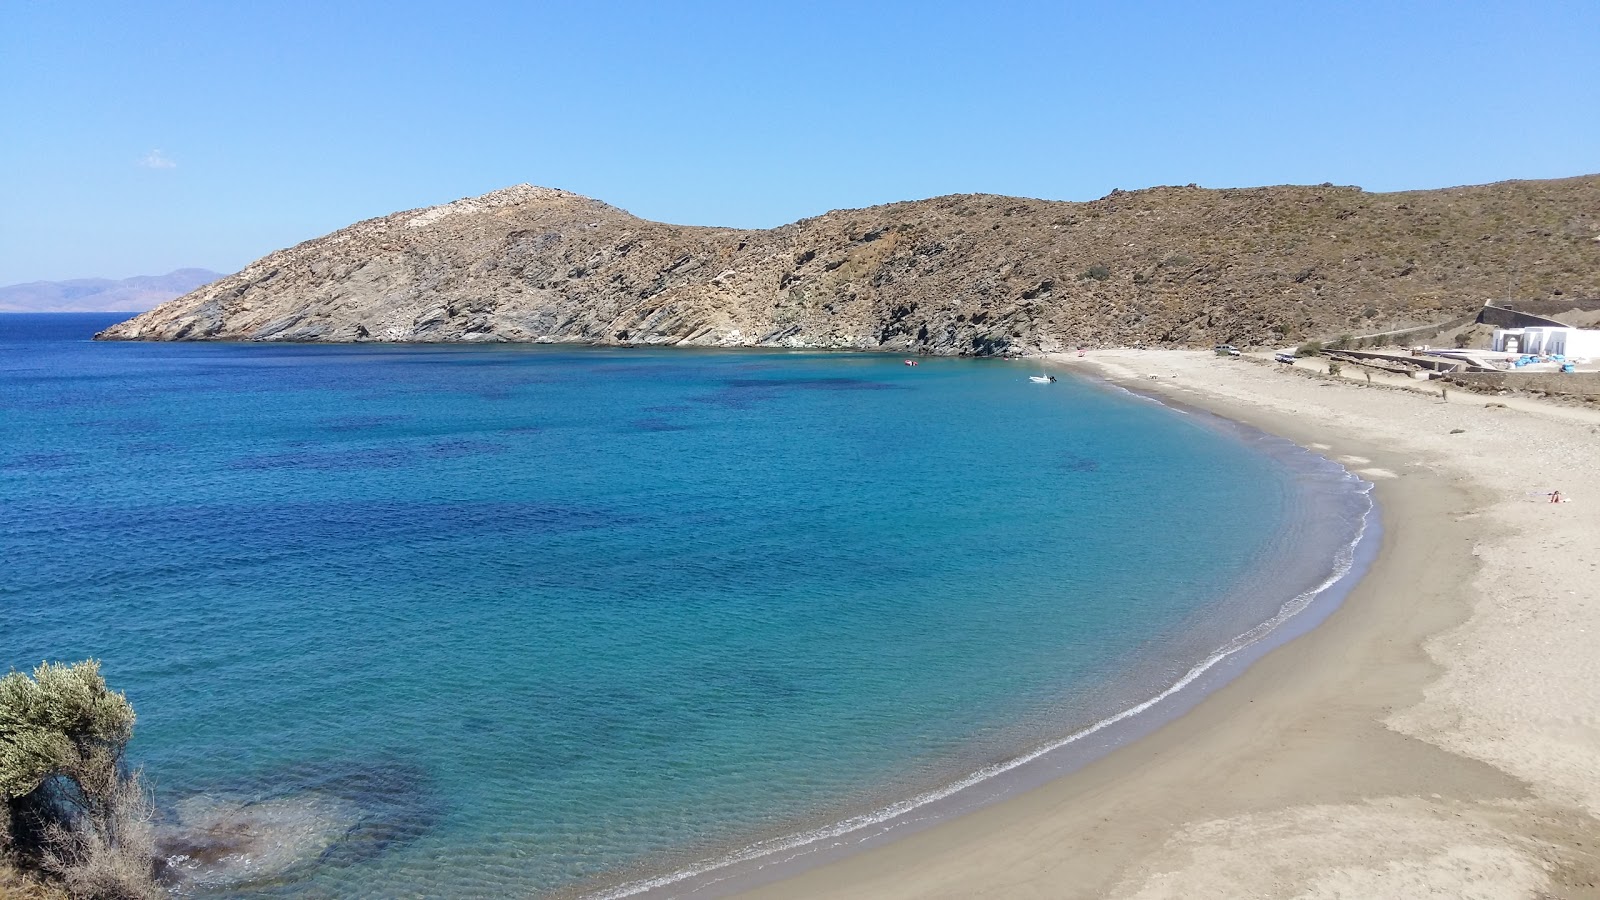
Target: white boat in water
pixel 1042 379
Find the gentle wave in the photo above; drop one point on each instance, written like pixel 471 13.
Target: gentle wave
pixel 1344 561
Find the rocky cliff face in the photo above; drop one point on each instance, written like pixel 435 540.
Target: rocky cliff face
pixel 966 274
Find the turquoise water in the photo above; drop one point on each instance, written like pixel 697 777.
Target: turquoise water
pixel 467 621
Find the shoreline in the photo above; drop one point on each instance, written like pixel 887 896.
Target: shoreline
pixel 1292 615
pixel 1363 757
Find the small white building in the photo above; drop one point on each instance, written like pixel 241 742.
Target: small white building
pixel 1548 341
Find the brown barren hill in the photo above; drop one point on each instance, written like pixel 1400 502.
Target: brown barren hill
pixel 966 274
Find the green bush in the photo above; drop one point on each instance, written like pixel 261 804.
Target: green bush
pixel 70 806
pixel 62 721
pixel 1309 348
pixel 1097 271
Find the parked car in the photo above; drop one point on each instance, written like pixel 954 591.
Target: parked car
pixel 1285 357
pixel 1227 350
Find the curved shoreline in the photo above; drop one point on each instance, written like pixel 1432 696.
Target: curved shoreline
pixel 770 860
pixel 1421 740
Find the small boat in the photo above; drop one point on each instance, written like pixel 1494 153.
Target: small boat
pixel 910 362
pixel 1042 379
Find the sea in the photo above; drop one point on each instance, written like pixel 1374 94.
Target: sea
pixel 466 621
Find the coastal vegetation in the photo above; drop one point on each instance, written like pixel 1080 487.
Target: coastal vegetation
pixel 74 816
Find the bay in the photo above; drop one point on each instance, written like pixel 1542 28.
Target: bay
pixel 467 620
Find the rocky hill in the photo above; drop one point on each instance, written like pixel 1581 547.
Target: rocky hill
pixel 965 274
pixel 134 294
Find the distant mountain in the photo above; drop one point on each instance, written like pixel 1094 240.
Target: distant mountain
pixel 135 294
pixel 970 274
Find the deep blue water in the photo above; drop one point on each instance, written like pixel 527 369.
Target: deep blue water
pixel 467 621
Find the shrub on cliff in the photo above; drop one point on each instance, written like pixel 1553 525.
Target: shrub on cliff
pixel 71 807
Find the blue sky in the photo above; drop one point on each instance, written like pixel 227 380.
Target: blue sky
pixel 137 138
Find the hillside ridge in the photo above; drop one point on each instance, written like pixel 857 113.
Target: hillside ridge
pixel 136 294
pixel 969 274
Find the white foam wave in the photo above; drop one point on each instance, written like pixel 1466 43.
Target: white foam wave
pixel 1344 561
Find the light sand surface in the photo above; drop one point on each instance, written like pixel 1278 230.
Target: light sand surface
pixel 1437 736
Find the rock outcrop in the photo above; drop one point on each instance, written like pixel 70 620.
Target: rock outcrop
pixel 964 274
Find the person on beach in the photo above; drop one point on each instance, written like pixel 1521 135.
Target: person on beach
pixel 1555 496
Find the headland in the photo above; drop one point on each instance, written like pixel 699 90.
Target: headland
pixel 962 275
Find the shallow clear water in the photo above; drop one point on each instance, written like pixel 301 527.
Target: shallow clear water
pixel 457 621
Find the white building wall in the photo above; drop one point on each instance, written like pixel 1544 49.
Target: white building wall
pixel 1541 340
pixel 1583 342
pixel 1503 338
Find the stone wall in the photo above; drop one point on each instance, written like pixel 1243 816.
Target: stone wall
pixel 1503 317
pixel 1535 313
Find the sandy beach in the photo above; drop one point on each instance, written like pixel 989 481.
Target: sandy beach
pixel 1439 735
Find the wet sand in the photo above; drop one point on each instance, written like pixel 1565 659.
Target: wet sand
pixel 1438 735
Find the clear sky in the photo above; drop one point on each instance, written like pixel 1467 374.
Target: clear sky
pixel 140 137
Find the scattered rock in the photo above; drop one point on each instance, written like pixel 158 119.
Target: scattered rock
pixel 281 826
pixel 228 841
pixel 1458 431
